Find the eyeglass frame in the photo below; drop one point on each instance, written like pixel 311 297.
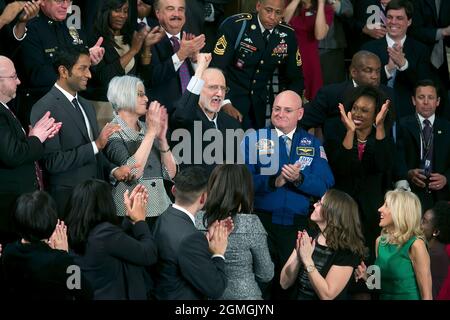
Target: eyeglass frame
pixel 217 87
pixel 14 77
pixel 60 2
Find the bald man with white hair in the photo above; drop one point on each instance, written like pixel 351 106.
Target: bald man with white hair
pixel 19 149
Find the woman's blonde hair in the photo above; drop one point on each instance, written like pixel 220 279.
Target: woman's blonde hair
pixel 406 213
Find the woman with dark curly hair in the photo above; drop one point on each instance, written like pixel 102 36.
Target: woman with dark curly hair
pixel 361 155
pixel 247 259
pixel 324 265
pixel 436 227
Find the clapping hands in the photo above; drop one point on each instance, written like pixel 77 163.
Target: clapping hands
pixel 58 239
pixel 136 203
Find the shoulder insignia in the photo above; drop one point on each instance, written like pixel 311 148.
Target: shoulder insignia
pixel 281 24
pixel 298 58
pixel 221 46
pixel 242 16
pixel 75 36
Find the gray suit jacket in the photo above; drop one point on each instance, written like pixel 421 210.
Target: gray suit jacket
pixel 247 259
pixel 69 157
pixel 335 38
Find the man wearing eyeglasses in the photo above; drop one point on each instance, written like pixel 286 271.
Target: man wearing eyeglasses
pixel 19 150
pixel 300 173
pixel 47 34
pixel 199 111
pixel 249 49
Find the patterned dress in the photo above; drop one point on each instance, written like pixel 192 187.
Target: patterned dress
pixel 120 149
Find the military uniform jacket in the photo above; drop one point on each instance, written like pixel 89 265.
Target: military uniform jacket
pixel 265 154
pixel 249 67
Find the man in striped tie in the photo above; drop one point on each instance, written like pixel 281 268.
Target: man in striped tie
pixel 173 56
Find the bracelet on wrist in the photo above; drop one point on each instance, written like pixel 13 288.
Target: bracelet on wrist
pixel 164 151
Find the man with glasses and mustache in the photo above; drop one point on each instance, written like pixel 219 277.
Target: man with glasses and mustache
pixel 47 34
pixel 200 107
pixel 249 49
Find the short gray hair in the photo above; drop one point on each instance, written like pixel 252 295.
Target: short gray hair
pixel 122 92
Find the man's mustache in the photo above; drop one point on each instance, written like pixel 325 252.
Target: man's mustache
pixel 175 18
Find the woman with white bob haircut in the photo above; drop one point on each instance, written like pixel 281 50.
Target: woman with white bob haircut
pixel 140 145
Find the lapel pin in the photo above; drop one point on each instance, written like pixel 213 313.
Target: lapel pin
pixel 253 27
pixel 439 132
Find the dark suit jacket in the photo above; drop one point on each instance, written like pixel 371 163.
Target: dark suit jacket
pixel 165 84
pixel 324 107
pixel 409 155
pixel 185 269
pixel 114 261
pixel 418 68
pixel 69 157
pixel 187 114
pixel 18 153
pixel 37 272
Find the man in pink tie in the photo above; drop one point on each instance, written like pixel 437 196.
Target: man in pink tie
pixel 19 150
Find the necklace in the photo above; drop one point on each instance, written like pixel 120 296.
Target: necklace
pixel 362 141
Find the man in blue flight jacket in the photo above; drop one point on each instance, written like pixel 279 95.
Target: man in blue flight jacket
pixel 289 168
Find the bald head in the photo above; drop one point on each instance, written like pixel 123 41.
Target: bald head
pixel 287 111
pixel 8 80
pixel 365 68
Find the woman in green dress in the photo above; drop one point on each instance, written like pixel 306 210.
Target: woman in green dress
pixel 402 256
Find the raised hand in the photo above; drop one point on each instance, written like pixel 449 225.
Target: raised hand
pixel 136 203
pixel 153 118
pixel 58 239
pixel 397 55
pixel 375 30
pixel 203 61
pixel 96 52
pixel 154 36
pixel 379 119
pixel 306 248
pixel 138 40
pixel 10 12
pixel 30 10
pixel 163 125
pixel 104 135
pixel 190 47
pixel 291 172
pixel 346 119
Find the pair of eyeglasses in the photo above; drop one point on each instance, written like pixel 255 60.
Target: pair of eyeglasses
pixel 286 110
pixel 217 87
pixel 60 2
pixel 14 77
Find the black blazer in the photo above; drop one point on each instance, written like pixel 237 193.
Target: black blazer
pixel 165 83
pixel 185 269
pixel 18 153
pixel 115 258
pixel 187 113
pixel 409 155
pixel 418 68
pixel 37 272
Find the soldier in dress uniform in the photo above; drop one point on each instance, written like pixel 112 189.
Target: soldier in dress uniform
pixel 249 48
pixel 45 35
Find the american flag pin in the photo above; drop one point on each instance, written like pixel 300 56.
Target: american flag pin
pixel 439 132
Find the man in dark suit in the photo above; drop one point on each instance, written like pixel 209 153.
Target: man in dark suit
pixel 425 157
pixel 364 70
pixel 172 57
pixel 74 155
pixel 18 151
pixel 190 265
pixel 249 49
pixel 431 26
pixel 404 60
pixel 199 111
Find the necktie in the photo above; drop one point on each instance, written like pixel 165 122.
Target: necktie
pixel 266 35
pixel 37 167
pixel 183 72
pixel 427 146
pixel 287 143
pixel 77 107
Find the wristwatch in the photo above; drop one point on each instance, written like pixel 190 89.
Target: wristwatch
pixel 310 268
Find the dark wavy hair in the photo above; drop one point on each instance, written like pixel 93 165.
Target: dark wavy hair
pixel 90 204
pixel 35 216
pixel 230 190
pixel 441 220
pixel 376 95
pixel 102 24
pixel 343 230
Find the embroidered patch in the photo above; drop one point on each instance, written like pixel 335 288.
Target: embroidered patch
pixel 304 162
pixel 221 46
pixel 75 36
pixel 305 151
pixel 305 142
pixel 265 146
pixel 298 58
